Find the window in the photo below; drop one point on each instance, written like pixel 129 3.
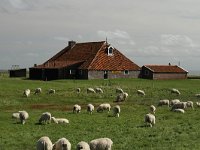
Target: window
pixel 110 51
pixel 146 72
pixel 126 72
pixel 72 71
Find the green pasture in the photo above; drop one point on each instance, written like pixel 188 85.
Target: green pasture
pixel 172 130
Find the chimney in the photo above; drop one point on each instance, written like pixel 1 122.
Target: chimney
pixel 71 43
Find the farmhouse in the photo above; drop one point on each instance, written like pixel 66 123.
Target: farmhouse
pixel 91 60
pixel 156 72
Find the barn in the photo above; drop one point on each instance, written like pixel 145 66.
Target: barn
pixel 90 60
pixel 157 72
pixel 17 72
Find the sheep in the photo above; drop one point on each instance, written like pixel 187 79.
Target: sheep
pixel 60 120
pixel 175 91
pixel 82 146
pixel 181 105
pixel 62 144
pixel 103 107
pixel 45 118
pixel 153 109
pixel 78 90
pixel 121 97
pixel 116 110
pixel 76 108
pixel 51 91
pixel 163 102
pixel 90 108
pixel 179 110
pixel 90 90
pixel 15 115
pixel 101 144
pixel 98 90
pixel 174 101
pixel 38 91
pixel 119 90
pixel 27 92
pixel 198 104
pixel 197 95
pixel 150 119
pixel 189 104
pixel 141 92
pixel 23 115
pixel 44 143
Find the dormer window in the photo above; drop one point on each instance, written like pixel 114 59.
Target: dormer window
pixel 110 51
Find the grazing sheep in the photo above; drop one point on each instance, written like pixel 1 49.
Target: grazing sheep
pixel 90 108
pixel 125 95
pixel 179 105
pixel 174 101
pixel 141 92
pixel 150 119
pixel 45 118
pixel 62 144
pixel 197 95
pixel 78 90
pixel 121 97
pixel 27 92
pixel 198 104
pixel 23 115
pixel 119 90
pixel 44 143
pixel 179 110
pixel 15 115
pixel 163 102
pixel 51 91
pixel 175 91
pixel 38 91
pixel 153 109
pixel 98 90
pixel 60 120
pixel 189 104
pixel 90 90
pixel 103 107
pixel 76 108
pixel 101 144
pixel 116 110
pixel 82 146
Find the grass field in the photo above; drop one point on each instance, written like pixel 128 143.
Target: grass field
pixel 172 130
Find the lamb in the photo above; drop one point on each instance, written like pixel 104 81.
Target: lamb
pixel 90 90
pixel 101 144
pixel 44 143
pixel 103 107
pixel 78 90
pixel 174 101
pixel 181 105
pixel 150 119
pixel 82 146
pixel 62 144
pixel 116 110
pixel 51 91
pixel 175 91
pixel 179 110
pixel 60 120
pixel 98 90
pixel 27 92
pixel 119 90
pixel 76 108
pixel 141 92
pixel 163 102
pixel 189 104
pixel 23 116
pixel 38 91
pixel 90 108
pixel 45 118
pixel 153 109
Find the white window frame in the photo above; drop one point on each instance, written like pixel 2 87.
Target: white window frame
pixel 126 72
pixel 108 50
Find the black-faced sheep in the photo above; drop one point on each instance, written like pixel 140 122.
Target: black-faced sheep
pixel 82 146
pixel 62 144
pixel 45 118
pixel 51 91
pixel 23 116
pixel 101 144
pixel 78 90
pixel 76 108
pixel 150 119
pixel 116 110
pixel 103 107
pixel 38 91
pixel 90 108
pixel 44 143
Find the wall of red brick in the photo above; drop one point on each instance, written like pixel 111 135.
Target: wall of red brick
pixel 157 76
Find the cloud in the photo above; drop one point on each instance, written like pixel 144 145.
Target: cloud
pixel 60 38
pixel 117 34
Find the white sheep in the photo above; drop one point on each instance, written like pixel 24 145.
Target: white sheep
pixel 90 108
pixel 103 107
pixel 62 144
pixel 179 110
pixel 116 110
pixel 150 119
pixel 90 90
pixel 51 91
pixel 15 115
pixel 38 91
pixel 163 102
pixel 119 90
pixel 198 104
pixel 101 144
pixel 175 91
pixel 60 120
pixel 174 101
pixel 98 90
pixel 27 92
pixel 78 90
pixel 189 104
pixel 179 105
pixel 23 116
pixel 121 97
pixel 44 143
pixel 82 146
pixel 76 108
pixel 45 118
pixel 197 95
pixel 141 92
pixel 152 109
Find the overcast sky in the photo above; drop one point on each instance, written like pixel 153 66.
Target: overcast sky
pixel 146 31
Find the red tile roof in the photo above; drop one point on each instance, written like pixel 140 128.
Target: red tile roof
pixel 166 68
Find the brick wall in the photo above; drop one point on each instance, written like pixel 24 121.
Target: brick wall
pixel 158 76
